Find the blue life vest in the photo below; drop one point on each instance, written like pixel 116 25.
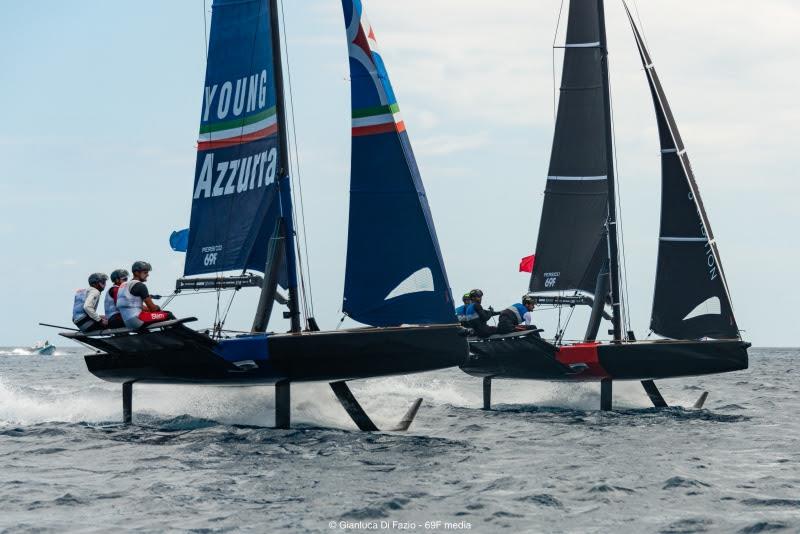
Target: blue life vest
pixel 470 313
pixel 78 313
pixel 518 311
pixel 109 305
pixel 461 313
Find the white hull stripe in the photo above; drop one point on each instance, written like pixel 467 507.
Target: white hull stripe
pixel 578 178
pixel 673 151
pixel 236 132
pixel 582 45
pixel 698 239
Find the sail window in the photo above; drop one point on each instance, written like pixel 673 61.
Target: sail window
pixel 698 239
pixel 595 44
pixel 418 282
pixel 711 306
pixel 578 178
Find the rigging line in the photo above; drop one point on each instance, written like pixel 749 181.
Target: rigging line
pixel 625 301
pixel 555 36
pixel 227 311
pixel 205 29
pixel 309 297
pixel 216 314
pixel 569 318
pixel 641 26
pixel 559 332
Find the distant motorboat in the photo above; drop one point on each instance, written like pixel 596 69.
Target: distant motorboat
pixel 43 348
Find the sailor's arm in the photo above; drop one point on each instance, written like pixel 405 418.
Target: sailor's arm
pixel 141 291
pixel 90 306
pixel 150 306
pixel 484 314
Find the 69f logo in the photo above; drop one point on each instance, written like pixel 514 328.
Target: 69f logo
pixel 550 279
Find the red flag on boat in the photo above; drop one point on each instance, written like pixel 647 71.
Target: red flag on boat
pixel 526 264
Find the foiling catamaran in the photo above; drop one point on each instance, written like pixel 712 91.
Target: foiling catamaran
pixel 242 219
pixel 577 258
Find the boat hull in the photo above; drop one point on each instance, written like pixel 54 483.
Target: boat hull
pixel 525 356
pixel 177 354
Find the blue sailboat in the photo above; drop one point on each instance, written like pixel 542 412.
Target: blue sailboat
pixel 242 221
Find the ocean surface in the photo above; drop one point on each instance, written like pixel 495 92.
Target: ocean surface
pixel 206 460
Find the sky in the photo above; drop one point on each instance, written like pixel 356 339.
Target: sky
pixel 101 105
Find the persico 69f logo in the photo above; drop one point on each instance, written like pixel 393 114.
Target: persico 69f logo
pixel 210 255
pixel 550 279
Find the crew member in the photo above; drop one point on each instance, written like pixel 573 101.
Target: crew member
pixel 477 316
pixel 134 301
pixel 118 277
pixel 84 307
pixel 461 311
pixel 515 316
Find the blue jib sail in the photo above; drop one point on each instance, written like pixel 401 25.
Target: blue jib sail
pixel 234 199
pixel 395 273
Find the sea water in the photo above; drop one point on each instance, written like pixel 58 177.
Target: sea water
pixel 545 460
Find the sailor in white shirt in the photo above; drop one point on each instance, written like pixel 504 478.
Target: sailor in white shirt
pixel 84 307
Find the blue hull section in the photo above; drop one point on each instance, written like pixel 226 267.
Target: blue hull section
pixel 177 354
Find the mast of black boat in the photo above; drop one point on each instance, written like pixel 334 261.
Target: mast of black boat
pixel 613 248
pixel 286 223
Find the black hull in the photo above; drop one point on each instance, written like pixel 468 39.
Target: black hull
pixel 177 354
pixel 523 356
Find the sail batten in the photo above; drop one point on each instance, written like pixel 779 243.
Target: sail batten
pixel 395 273
pixel 235 206
pixel 571 246
pixel 689 272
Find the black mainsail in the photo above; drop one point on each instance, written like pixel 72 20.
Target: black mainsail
pixel 691 298
pixel 571 247
pixel 577 248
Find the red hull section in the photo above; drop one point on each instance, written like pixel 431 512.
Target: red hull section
pixel 527 357
pixel 582 354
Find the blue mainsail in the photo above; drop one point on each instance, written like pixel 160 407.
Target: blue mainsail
pixel 395 273
pixel 235 203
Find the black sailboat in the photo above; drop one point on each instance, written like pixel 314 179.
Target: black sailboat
pixel 577 252
pixel 243 219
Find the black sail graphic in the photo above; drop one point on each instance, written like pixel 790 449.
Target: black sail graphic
pixel 691 293
pixel 571 246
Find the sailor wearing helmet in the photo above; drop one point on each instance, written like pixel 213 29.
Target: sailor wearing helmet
pixel 118 277
pixel 134 301
pixel 513 317
pixel 477 317
pixel 84 307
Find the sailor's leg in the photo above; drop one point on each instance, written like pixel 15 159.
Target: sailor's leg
pixel 487 392
pixel 605 394
pixel 127 403
pixel 283 404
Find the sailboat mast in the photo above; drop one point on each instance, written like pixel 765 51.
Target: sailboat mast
pixel 613 247
pixel 284 183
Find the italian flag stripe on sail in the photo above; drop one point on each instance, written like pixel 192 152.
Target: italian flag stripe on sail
pixel 377 120
pixel 238 131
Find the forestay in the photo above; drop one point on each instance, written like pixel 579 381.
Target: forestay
pixel 235 203
pixel 395 273
pixel 691 293
pixel 571 246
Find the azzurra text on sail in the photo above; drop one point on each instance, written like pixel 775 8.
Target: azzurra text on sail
pixel 236 176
